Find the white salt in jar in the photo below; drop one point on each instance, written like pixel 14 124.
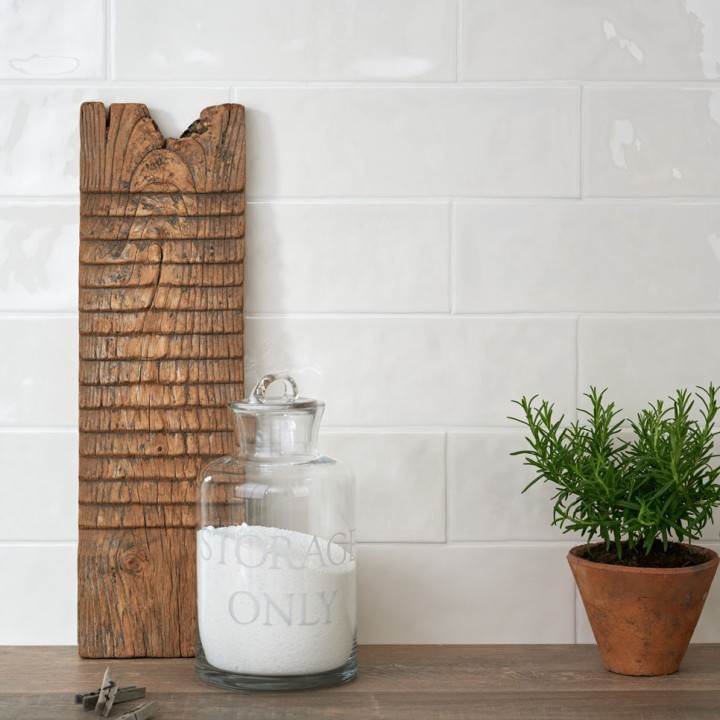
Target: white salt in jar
pixel 276 553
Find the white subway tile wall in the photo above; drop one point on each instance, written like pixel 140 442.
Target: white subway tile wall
pixel 362 257
pixel 397 142
pixel 398 475
pixel 58 42
pixel 44 466
pixel 460 593
pixel 451 203
pixel 316 40
pixel 600 40
pixel 663 142
pixel 485 490
pixel 39 256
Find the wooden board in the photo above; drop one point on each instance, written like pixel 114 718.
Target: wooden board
pixel 161 355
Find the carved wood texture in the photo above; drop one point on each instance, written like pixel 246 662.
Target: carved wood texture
pixel 162 224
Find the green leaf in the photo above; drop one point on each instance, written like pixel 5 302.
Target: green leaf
pixel 661 483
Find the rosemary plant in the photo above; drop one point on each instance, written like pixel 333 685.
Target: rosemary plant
pixel 660 484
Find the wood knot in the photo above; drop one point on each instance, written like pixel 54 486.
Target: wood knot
pixel 131 560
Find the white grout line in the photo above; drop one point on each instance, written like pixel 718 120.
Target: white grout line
pixel 455 317
pixel 577 368
pixel 40 430
pixel 68 201
pixel 37 315
pixel 575 614
pixel 483 200
pixel 452 263
pixel 567 543
pixel 499 315
pixel 37 543
pixel 109 39
pixel 458 38
pixel 377 84
pixel 513 429
pixel 446 479
pixel 73 200
pixel 581 135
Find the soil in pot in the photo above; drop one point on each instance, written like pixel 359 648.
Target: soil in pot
pixel 676 556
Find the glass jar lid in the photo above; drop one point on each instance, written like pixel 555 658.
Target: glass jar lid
pixel 277 425
pixel 259 401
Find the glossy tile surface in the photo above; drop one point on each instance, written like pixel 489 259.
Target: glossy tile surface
pixel 643 142
pixel 464 594
pixel 608 40
pixel 43 479
pixel 450 204
pixel 374 257
pixel 417 371
pixel 400 481
pixel 58 40
pixel 40 606
pixel 286 40
pixel 645 359
pixel 38 256
pixel 591 257
pixel 39 367
pixel 37 162
pixel 485 490
pixel 406 142
pixel 708 627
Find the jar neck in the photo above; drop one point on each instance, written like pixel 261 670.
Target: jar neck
pixel 278 432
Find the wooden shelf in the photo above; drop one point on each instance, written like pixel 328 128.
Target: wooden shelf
pixel 497 682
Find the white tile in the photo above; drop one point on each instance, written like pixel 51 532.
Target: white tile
pixel 63 39
pixel 485 491
pixel 38 605
pixel 651 142
pixel 464 594
pixel 711 532
pixel 587 257
pixel 39 472
pixel 400 481
pixel 39 371
pixel 405 142
pixel 381 257
pixel 583 631
pixel 286 40
pixel 612 39
pixel 417 370
pixel 39 135
pixel 708 627
pixel 38 257
pixel 645 359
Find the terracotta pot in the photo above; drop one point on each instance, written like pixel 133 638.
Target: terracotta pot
pixel 642 618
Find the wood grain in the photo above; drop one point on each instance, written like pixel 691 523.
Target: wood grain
pixel 511 682
pixel 161 355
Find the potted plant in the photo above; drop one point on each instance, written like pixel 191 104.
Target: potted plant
pixel 643 491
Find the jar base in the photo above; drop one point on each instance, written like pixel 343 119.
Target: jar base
pixel 212 675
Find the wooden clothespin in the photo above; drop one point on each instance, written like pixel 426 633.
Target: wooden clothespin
pixel 108 691
pixel 103 699
pixel 130 692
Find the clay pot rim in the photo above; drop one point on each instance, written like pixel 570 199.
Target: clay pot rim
pixel 574 557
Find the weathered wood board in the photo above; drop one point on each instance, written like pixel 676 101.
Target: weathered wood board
pixel 162 224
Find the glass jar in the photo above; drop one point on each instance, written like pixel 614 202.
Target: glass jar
pixel 276 553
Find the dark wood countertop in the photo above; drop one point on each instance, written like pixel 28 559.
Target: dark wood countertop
pixel 497 682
